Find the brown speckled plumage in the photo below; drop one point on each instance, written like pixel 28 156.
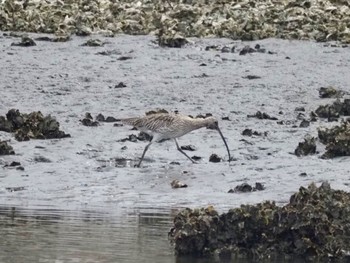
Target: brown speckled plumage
pixel 171 126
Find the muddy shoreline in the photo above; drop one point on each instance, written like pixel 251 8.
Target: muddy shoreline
pixel 67 80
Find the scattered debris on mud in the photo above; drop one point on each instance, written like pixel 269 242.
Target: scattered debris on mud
pixel 31 126
pixel 178 184
pixel 262 116
pixel 314 224
pixel 88 120
pixel 250 132
pixel 5 148
pixel 245 187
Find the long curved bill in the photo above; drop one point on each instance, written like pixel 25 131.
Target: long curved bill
pixel 223 138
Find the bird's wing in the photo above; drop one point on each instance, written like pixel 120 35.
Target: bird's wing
pixel 154 122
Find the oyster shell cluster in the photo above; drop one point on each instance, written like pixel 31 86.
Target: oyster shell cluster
pixel 31 126
pixel 315 223
pixel 321 20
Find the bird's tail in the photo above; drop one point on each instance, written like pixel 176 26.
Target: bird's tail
pixel 130 121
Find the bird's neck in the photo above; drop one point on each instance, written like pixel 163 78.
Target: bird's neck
pixel 199 123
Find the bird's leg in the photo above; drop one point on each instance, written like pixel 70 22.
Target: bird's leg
pixel 143 154
pixel 181 151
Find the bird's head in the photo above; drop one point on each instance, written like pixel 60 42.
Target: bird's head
pixel 211 123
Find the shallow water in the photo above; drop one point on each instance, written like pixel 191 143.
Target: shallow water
pixel 82 204
pixel 51 235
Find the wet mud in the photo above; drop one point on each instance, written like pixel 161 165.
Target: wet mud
pixel 95 166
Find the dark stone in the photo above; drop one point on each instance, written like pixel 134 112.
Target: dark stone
pixel 14 163
pixel 5 125
pixel 188 147
pixel 214 158
pixel 93 43
pixel 307 147
pixel 42 159
pixel 144 137
pixel 111 119
pixel 250 132
pixel 262 116
pixel 15 189
pixel 6 149
pixel 100 117
pixel 299 109
pixel 246 50
pixel 25 42
pixel 330 92
pixel 89 122
pixel 304 124
pixel 251 77
pixel 225 49
pixel 226 118
pixel 196 158
pixel 123 58
pixel 337 140
pixel 120 85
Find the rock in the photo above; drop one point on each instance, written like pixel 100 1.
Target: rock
pixel 337 140
pixel 246 50
pixel 196 158
pixel 156 111
pixel 120 85
pixel 330 92
pixel 123 58
pixel 171 39
pixel 307 147
pixel 89 122
pixel 214 158
pixel 25 42
pixel 111 119
pixel 100 117
pixel 15 189
pixel 262 116
pixel 144 137
pixel 31 126
pixel 250 132
pixel 93 43
pixel 312 225
pixel 300 109
pixel 177 184
pixel 6 149
pixel 304 124
pixel 42 159
pixel 251 77
pixel 188 147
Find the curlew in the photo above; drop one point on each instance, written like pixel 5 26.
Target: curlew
pixel 164 126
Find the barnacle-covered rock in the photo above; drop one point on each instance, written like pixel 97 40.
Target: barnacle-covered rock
pixel 334 110
pixel 5 148
pixel 31 126
pixel 314 224
pixel 337 140
pixel 308 146
pixel 245 20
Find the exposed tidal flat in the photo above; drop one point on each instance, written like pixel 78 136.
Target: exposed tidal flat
pixel 269 94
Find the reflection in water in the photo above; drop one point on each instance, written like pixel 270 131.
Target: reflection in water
pixel 83 236
pixel 44 235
